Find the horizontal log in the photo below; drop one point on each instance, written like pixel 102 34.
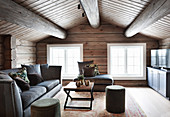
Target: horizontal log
pixel 41 54
pixel 25 43
pixel 10 54
pixel 25 49
pixel 41 47
pixel 26 58
pixel 98 38
pixel 130 83
pixel 9 42
pixel 1 59
pixel 42 60
pixel 99 61
pixel 102 29
pixel 1 67
pixel 95 53
pixel 1 48
pixel 1 39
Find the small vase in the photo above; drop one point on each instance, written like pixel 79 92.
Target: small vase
pixel 87 82
pixel 82 82
pixel 78 83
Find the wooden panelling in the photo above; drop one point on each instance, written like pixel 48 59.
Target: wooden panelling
pixel 1 53
pixel 95 43
pixel 164 44
pixel 25 52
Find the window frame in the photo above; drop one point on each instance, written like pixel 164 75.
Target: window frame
pixel 143 77
pixel 65 45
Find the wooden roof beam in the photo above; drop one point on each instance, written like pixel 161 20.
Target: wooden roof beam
pixel 16 14
pixel 92 12
pixel 155 10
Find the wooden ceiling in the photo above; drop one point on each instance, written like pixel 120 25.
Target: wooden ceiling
pixel 65 14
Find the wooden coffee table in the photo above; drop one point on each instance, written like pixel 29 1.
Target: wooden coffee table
pixel 72 87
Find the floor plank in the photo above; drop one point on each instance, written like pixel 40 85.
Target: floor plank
pixel 151 102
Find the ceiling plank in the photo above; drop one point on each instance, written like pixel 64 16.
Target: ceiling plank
pixel 155 10
pixel 92 12
pixel 14 13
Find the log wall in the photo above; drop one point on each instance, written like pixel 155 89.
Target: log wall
pixel 1 53
pixel 25 52
pixel 164 44
pixel 95 43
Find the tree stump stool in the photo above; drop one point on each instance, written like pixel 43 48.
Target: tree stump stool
pixel 46 108
pixel 115 99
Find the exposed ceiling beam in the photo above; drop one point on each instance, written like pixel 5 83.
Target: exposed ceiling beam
pixel 92 12
pixel 155 10
pixel 16 14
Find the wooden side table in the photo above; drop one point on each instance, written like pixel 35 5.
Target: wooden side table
pixel 72 87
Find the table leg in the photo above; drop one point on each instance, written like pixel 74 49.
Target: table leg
pixel 68 95
pixel 91 99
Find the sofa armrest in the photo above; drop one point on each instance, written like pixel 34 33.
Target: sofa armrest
pixel 11 105
pixel 52 73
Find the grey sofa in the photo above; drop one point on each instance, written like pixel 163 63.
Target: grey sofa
pixel 15 103
pixel 100 81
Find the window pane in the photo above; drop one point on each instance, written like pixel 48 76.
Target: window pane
pixel 67 57
pixel 117 60
pixel 126 60
pixel 134 60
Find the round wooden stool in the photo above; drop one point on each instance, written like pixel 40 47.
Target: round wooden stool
pixel 115 99
pixel 46 108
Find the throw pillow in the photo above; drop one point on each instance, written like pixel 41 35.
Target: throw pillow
pixel 88 71
pixel 96 70
pixel 22 84
pixel 83 64
pixel 33 69
pixel 34 79
pixel 21 74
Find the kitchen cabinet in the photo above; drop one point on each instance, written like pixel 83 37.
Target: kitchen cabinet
pixel 159 80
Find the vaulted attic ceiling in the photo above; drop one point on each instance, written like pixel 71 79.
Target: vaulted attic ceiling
pixel 65 14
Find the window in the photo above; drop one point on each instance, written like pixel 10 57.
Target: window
pixel 67 56
pixel 127 61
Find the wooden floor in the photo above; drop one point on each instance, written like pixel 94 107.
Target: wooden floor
pixel 151 102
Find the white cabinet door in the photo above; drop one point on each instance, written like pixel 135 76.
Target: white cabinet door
pixel 162 84
pixel 150 77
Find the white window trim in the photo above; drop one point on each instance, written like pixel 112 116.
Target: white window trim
pixel 127 44
pixel 65 45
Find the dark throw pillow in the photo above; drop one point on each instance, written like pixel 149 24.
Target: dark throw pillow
pixel 83 64
pixel 22 84
pixel 96 70
pixel 35 79
pixel 89 71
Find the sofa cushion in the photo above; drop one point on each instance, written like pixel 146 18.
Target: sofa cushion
pixel 50 72
pixel 34 79
pixel 83 64
pixel 31 69
pixel 49 84
pixel 29 96
pixel 89 71
pixel 44 71
pixel 101 79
